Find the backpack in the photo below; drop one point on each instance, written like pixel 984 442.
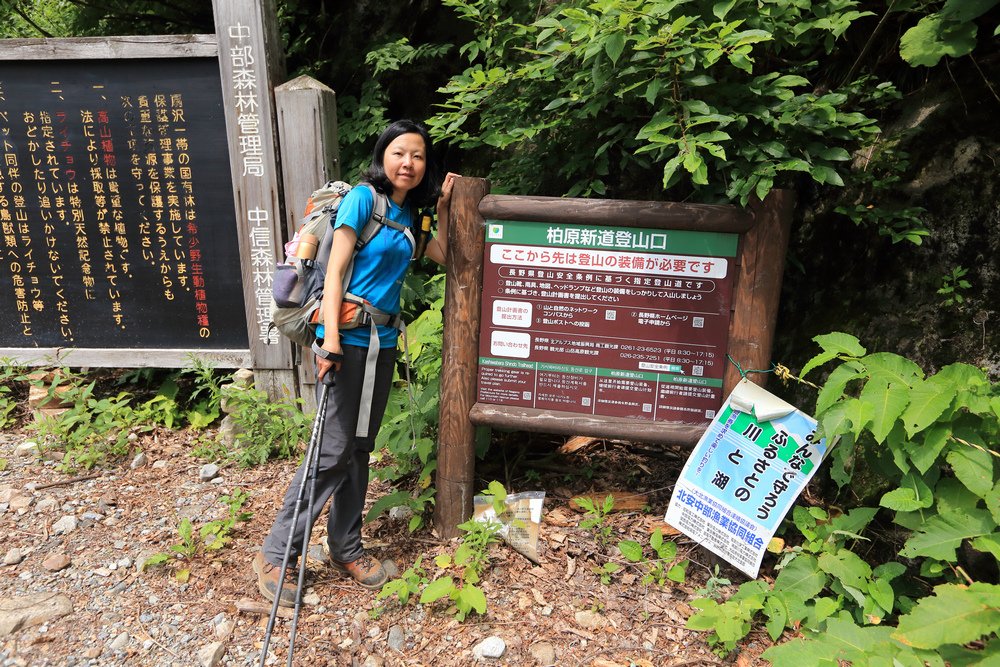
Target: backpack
pixel 297 286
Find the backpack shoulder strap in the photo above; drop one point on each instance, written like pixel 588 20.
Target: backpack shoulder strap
pixel 380 218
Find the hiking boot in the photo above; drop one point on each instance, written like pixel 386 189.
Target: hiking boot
pixel 267 581
pixel 366 571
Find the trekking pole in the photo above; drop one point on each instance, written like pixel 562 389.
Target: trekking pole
pixel 309 467
pixel 327 383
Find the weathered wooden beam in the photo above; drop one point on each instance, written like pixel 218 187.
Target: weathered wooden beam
pixel 619 212
pixel 569 423
pixel 310 156
pixel 116 358
pixel 761 262
pixel 460 356
pixel 100 48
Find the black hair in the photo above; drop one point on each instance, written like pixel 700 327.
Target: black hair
pixel 429 187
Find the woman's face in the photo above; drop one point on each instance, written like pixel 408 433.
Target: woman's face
pixel 404 162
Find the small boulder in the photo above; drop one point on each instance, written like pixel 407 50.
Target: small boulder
pixel 13 556
pixel 489 648
pixel 65 525
pixel 57 562
pixel 30 610
pixel 211 654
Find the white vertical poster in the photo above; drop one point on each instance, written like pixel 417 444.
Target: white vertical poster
pixel 744 475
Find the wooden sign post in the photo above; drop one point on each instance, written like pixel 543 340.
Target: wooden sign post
pixel 598 317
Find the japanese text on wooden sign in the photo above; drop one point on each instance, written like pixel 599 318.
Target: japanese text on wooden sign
pixel 611 321
pixel 118 229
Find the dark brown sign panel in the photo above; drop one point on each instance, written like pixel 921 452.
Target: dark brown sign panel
pixel 612 321
pixel 118 229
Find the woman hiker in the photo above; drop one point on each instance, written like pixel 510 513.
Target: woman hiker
pixel 403 169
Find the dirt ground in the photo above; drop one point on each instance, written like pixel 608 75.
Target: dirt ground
pixel 557 612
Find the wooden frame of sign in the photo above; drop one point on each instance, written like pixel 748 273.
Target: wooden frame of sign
pixel 755 282
pixel 245 55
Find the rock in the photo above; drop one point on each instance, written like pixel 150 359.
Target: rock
pixel 138 461
pixel 396 638
pixel 589 620
pixel 20 503
pixel 211 655
pixel 6 493
pixel 373 661
pixel 223 630
pixel 30 610
pixel 13 557
pixel 65 525
pixel 159 465
pixel 489 648
pixel 119 642
pixel 208 472
pixel 243 378
pixel 400 513
pixel 27 448
pixel 228 430
pixel 544 654
pixel 56 562
pixel 45 505
pixel 311 599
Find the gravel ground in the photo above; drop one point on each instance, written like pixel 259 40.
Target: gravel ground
pixel 73 591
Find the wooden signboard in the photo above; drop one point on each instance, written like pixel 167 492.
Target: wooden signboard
pixel 113 233
pixel 598 317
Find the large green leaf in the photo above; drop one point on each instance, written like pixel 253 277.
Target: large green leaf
pixel 437 589
pixel 955 614
pixel 800 580
pixel 928 399
pixel 886 402
pixel 913 494
pixel 973 467
pixel 925 453
pixel 833 388
pixel 834 345
pixel 854 643
pixel 942 534
pixel 892 368
pixel 802 653
pixel 988 544
pixel 935 37
pixel 847 567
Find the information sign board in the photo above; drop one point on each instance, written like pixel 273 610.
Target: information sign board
pixel 118 228
pixel 605 320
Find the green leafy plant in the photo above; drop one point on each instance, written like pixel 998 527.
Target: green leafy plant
pixel 950 31
pixel 658 570
pixel 94 428
pixel 470 560
pixel 717 98
pixel 263 429
pixel 713 585
pixel 937 480
pixel 595 519
pixel 952 286
pixel 211 537
pixel 409 583
pixel 12 378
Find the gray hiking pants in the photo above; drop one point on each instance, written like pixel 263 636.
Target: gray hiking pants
pixel 343 463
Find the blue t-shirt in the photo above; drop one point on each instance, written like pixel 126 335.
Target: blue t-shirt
pixel 380 266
